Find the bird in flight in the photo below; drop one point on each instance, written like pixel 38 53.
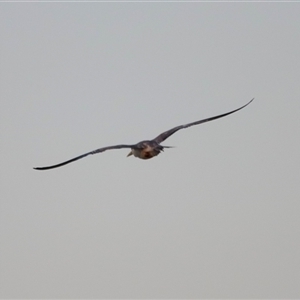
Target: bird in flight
pixel 148 148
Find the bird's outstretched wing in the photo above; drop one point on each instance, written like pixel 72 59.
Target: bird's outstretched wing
pixel 84 155
pixel 163 136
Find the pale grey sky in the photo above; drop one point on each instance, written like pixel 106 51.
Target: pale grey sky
pixel 215 217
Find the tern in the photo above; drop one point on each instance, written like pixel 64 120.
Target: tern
pixel 148 148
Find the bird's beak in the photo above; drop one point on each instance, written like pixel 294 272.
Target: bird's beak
pixel 130 153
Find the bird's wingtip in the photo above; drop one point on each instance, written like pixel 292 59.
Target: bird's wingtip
pixel 37 168
pixel 249 102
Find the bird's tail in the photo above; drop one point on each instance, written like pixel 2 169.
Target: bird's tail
pixel 168 147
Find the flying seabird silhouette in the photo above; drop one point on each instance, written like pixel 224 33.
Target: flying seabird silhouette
pixel 145 149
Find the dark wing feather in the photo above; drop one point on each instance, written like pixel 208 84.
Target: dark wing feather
pixel 163 136
pixel 84 155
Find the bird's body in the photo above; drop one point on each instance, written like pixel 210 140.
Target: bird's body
pixel 148 148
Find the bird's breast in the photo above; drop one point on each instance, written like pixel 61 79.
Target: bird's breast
pixel 145 153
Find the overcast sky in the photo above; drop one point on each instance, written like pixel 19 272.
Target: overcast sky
pixel 215 217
